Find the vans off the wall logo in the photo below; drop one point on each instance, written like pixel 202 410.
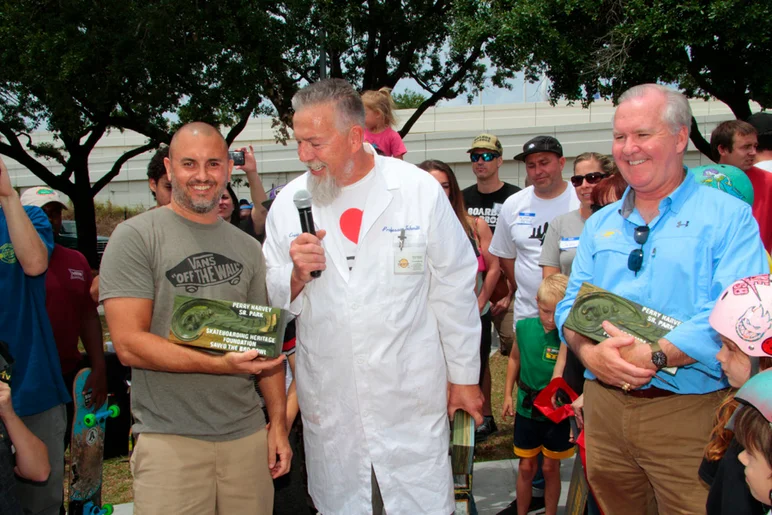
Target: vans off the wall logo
pixel 205 269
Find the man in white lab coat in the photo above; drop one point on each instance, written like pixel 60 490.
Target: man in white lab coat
pixel 388 335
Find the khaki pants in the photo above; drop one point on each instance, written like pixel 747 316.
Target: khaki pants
pixel 175 474
pixel 505 326
pixel 639 447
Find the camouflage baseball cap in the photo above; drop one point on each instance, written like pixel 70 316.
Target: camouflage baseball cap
pixel 487 142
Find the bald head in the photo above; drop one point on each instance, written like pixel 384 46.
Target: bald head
pixel 193 131
pixel 198 168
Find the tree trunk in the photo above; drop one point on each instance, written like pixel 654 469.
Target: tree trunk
pixel 85 214
pixel 699 140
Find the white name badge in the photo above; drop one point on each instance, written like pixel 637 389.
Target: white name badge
pixel 409 260
pixel 409 253
pixel 569 243
pixel 525 218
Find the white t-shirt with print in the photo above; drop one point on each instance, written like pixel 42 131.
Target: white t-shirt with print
pixel 522 223
pixel 348 209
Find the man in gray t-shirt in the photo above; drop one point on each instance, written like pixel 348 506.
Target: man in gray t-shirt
pixel 203 442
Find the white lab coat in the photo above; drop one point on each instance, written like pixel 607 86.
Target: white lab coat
pixel 375 349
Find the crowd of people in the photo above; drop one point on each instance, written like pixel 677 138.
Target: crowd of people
pixel 395 296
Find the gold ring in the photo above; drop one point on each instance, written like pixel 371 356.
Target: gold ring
pixel 626 387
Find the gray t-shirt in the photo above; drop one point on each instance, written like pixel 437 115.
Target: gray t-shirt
pixel 160 254
pixel 561 241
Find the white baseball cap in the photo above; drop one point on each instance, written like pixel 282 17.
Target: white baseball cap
pixel 40 196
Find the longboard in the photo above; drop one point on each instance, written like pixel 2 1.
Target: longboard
pixel 578 490
pixel 462 462
pixel 87 451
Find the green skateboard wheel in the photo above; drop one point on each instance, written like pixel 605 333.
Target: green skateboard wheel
pixel 108 509
pixel 114 411
pixel 89 420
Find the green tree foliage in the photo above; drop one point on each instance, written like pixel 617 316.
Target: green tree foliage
pixel 375 43
pixel 599 48
pixel 82 68
pixel 409 99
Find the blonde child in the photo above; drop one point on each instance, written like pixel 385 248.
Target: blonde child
pixel 742 317
pixel 531 363
pixel 379 120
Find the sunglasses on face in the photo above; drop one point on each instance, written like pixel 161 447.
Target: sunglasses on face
pixel 591 178
pixel 635 259
pixel 486 156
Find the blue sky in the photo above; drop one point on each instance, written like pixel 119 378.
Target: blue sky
pixel 490 95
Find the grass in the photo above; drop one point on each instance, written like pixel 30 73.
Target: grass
pixel 107 217
pixel 117 482
pixel 499 445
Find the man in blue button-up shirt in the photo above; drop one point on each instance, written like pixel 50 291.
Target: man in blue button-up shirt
pixel 672 246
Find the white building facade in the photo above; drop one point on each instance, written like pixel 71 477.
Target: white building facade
pixel 443 133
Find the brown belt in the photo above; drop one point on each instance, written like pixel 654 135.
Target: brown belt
pixel 651 392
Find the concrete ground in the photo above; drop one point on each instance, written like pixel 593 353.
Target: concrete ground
pixel 494 486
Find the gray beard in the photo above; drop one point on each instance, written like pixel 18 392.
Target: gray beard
pixel 324 190
pixel 201 207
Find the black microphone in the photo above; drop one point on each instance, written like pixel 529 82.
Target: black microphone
pixel 302 201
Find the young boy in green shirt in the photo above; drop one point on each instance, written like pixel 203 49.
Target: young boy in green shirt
pixel 531 362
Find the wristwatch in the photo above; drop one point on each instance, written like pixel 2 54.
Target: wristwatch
pixel 658 358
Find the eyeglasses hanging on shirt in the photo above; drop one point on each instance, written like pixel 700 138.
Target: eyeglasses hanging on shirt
pixel 635 259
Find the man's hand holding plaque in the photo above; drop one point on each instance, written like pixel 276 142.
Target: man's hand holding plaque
pixel 608 361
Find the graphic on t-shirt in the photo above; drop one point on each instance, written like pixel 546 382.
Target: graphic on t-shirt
pixel 7 255
pixel 489 214
pixel 205 269
pixel 350 223
pixel 537 233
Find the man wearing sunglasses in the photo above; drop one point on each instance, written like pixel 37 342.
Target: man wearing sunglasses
pixel 484 200
pixel 671 246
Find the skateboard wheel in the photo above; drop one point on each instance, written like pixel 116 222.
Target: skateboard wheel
pixel 89 420
pixel 107 509
pixel 114 411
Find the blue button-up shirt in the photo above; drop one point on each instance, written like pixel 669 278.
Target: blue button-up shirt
pixel 701 241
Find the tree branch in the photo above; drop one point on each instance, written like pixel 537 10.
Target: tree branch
pixel 15 151
pixel 116 169
pixel 244 115
pixel 126 121
pixel 443 90
pixel 421 83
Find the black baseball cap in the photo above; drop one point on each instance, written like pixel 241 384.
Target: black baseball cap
pixel 762 122
pixel 540 144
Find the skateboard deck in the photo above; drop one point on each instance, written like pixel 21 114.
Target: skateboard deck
pixel 87 451
pixel 578 490
pixel 462 462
